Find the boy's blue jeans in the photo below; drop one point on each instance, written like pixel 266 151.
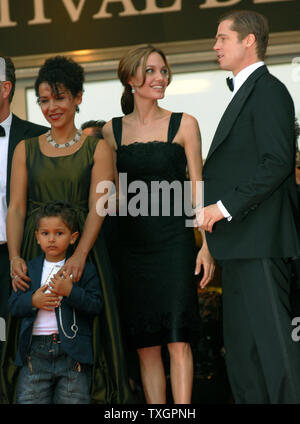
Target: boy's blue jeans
pixel 51 376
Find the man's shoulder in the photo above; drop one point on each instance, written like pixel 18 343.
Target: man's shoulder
pixel 30 129
pixel 269 88
pixel 270 81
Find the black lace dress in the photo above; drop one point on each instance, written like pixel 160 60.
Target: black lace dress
pixel 158 288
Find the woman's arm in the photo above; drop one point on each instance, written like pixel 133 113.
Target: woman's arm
pixel 102 171
pixel 16 217
pixel 108 134
pixel 190 134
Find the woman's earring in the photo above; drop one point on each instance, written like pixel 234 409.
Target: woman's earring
pixel 132 90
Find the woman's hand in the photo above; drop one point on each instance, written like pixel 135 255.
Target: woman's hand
pixel 18 272
pixel 61 284
pixel 205 259
pixel 74 266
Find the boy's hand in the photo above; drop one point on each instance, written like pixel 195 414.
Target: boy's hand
pixel 61 284
pixel 42 300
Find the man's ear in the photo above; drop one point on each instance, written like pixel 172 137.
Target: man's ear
pixel 6 88
pixel 74 237
pixel 250 40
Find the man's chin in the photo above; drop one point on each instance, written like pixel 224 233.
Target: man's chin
pixel 224 67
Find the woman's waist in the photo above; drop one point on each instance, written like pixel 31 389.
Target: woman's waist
pixel 152 229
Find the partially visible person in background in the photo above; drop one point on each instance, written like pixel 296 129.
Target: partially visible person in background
pixel 93 128
pixel 12 131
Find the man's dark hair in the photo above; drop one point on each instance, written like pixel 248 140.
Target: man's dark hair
pixel 10 76
pixel 246 22
pixel 62 209
pixel 96 127
pixel 60 70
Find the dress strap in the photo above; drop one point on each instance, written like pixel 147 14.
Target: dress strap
pixel 117 129
pixel 174 125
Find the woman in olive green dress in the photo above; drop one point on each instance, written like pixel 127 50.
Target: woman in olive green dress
pixel 64 164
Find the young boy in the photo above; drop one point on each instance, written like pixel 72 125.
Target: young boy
pixel 55 343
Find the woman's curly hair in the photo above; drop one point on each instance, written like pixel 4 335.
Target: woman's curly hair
pixel 60 70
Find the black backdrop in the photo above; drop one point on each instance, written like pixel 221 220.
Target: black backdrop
pixel 196 19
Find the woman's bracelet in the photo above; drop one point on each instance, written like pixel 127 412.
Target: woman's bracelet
pixel 15 257
pixel 11 263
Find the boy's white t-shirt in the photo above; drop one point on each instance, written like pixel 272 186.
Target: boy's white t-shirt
pixel 45 322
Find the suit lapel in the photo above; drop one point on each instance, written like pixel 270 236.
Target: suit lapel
pixel 233 109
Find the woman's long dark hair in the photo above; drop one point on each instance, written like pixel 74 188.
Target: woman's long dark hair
pixel 127 68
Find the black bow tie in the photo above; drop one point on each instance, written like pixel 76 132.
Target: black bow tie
pixel 2 131
pixel 230 83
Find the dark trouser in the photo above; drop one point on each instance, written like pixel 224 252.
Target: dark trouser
pixel 263 362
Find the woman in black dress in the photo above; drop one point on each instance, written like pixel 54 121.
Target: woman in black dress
pixel 159 302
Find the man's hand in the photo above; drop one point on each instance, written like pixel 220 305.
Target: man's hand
pixel 61 284
pixel 208 216
pixel 42 300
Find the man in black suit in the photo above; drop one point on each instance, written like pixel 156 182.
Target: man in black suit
pixel 12 130
pixel 250 216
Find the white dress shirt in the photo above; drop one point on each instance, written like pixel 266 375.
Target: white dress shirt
pixel 238 81
pixel 241 77
pixel 3 173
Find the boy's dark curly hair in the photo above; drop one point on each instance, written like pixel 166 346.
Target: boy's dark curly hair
pixel 61 209
pixel 60 70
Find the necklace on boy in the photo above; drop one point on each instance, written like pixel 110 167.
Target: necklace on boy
pixel 61 146
pixel 74 326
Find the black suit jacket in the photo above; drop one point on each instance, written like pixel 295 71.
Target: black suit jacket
pixel 250 167
pixel 19 130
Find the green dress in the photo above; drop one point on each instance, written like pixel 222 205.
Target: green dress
pixel 68 178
